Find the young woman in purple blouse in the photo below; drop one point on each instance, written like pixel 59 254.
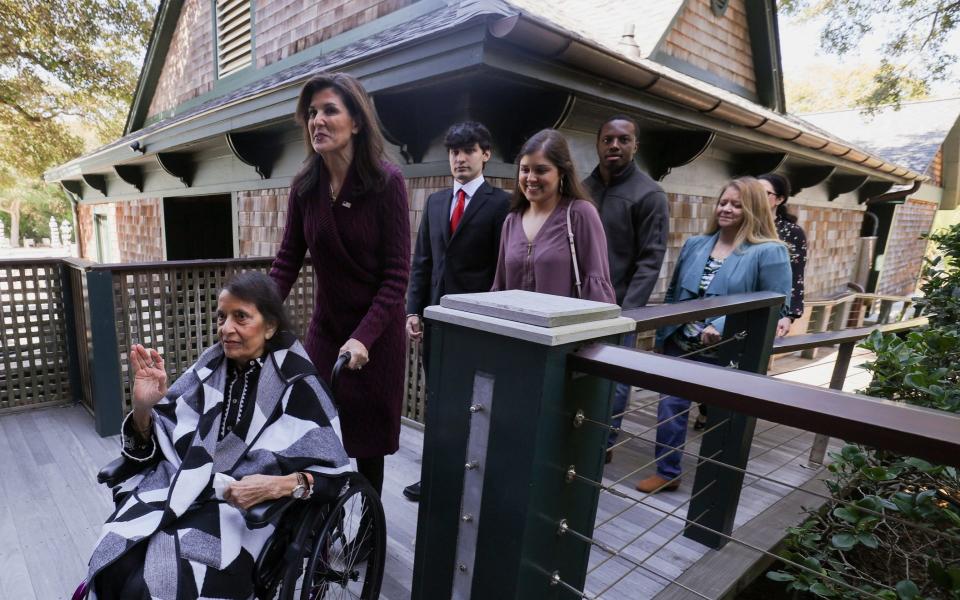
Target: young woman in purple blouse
pixel 549 203
pixel 348 207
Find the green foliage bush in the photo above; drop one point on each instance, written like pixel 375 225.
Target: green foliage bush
pixel 893 530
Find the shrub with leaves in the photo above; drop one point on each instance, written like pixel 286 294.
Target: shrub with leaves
pixel 893 530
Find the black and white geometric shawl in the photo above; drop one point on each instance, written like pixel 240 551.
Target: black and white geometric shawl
pixel 197 546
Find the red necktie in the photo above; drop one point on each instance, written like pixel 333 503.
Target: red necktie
pixel 458 210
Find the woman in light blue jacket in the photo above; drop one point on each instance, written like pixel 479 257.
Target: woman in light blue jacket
pixel 739 253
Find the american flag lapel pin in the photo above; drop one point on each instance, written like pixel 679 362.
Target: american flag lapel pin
pixel 346 204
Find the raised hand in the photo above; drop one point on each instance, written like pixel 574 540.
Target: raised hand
pixel 149 377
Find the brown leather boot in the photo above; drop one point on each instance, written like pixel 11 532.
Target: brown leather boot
pixel 655 484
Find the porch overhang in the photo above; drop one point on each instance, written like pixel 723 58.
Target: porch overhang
pixel 163 159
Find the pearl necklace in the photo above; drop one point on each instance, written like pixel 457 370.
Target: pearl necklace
pixel 243 397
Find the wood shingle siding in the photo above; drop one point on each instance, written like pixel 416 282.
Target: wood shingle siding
pixel 188 69
pixel 140 230
pixel 285 27
pixel 903 256
pixel 720 45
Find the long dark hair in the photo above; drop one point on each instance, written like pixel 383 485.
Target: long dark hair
pixel 555 149
pixel 258 289
pixel 367 142
pixel 781 187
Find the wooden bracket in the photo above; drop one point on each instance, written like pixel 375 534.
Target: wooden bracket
pixel 844 184
pixel 757 163
pixel 663 151
pixel 807 177
pixel 255 148
pixel 73 186
pixel 131 174
pixel 415 118
pixel 177 164
pixel 97 182
pixel 871 189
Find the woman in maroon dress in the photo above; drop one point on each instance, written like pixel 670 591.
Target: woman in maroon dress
pixel 548 206
pixel 348 207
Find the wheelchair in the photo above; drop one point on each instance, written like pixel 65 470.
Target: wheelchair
pixel 330 546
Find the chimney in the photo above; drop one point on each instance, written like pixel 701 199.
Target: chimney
pixel 628 43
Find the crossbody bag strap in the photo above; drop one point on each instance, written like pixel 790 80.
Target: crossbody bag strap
pixel 573 256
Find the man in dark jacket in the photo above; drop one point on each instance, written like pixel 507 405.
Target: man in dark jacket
pixel 459 238
pixel 635 216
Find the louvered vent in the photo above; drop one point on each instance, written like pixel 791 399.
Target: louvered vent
pixel 234 47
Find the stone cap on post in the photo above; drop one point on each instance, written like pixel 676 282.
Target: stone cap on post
pixel 539 318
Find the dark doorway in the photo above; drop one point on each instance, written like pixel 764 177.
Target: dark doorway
pixel 198 227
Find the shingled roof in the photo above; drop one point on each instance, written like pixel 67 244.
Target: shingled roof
pixel 909 136
pixel 603 21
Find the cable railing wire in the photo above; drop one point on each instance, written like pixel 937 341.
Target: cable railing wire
pixel 670 513
pixel 765 477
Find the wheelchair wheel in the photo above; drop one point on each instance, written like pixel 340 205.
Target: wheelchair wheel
pixel 346 558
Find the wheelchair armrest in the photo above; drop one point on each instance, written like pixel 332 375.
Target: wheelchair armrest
pixel 269 512
pixel 120 469
pixel 113 472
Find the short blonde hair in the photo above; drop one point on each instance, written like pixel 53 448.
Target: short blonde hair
pixel 757 225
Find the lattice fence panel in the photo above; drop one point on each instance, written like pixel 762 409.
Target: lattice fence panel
pixel 415 384
pixel 172 308
pixel 34 366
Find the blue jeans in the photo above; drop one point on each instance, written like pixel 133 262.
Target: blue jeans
pixel 621 395
pixel 672 432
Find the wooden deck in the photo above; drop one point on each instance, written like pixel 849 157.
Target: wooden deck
pixel 51 508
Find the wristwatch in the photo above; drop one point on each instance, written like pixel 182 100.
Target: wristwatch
pixel 302 490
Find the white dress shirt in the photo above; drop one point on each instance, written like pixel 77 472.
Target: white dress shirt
pixel 469 188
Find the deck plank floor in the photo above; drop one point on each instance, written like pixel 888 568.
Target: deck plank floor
pixel 51 508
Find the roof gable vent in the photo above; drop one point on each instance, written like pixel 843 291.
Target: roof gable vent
pixel 234 36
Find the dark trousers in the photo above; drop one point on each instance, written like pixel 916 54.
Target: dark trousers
pixel 123 579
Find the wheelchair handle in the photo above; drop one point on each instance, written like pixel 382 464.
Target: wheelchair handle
pixel 342 361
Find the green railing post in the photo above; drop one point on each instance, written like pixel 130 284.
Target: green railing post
pixel 500 438
pixel 716 508
pixel 107 388
pixel 72 339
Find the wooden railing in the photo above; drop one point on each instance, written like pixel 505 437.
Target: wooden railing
pixel 737 399
pixel 850 311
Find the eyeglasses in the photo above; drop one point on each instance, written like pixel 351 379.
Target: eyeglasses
pixel 774 194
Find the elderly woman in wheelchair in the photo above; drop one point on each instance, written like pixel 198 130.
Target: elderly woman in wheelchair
pixel 233 483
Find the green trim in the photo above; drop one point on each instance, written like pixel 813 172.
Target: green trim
pixel 252 74
pixel 764 32
pixel 703 75
pixel 164 25
pixel 216 50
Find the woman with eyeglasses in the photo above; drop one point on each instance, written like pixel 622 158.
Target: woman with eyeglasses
pixel 791 234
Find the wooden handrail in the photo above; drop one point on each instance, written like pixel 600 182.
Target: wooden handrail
pixel 178 264
pixel 794 343
pixel 651 317
pixel 30 262
pixel 914 431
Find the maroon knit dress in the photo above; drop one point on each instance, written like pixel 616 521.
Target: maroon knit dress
pixel 360 252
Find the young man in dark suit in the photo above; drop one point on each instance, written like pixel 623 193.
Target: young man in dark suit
pixel 459 237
